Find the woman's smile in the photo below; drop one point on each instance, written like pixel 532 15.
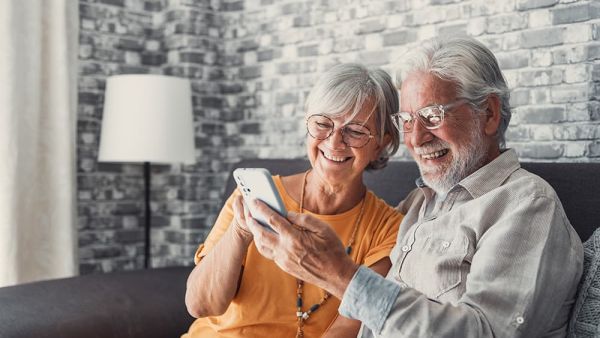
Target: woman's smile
pixel 334 158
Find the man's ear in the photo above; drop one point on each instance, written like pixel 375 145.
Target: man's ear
pixel 492 121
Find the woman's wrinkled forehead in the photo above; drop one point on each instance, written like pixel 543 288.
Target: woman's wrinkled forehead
pixel 361 110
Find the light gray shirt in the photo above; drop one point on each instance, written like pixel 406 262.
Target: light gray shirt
pixel 497 257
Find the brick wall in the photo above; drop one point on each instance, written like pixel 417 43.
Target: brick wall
pixel 252 63
pixel 180 38
pixel 548 49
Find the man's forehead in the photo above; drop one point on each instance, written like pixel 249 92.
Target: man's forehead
pixel 421 90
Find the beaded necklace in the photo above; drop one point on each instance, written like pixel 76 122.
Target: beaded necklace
pixel 304 315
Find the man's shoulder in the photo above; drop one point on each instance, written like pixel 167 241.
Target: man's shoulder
pixel 524 184
pixel 528 196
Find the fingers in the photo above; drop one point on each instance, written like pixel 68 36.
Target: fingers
pixel 279 223
pixel 239 212
pixel 239 219
pixel 238 208
pixel 308 222
pixel 264 250
pixel 266 241
pixel 247 214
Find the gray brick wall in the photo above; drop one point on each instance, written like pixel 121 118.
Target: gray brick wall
pixel 252 63
pixel 160 37
pixel 549 51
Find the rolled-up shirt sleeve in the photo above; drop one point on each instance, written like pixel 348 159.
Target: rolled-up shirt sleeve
pixel 369 296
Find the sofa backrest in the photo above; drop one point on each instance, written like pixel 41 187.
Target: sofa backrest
pixel 577 184
pixel 144 303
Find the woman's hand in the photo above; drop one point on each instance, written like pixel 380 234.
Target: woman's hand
pixel 304 247
pixel 239 225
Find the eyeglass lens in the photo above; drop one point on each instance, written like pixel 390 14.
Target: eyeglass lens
pixel 353 134
pixel 430 117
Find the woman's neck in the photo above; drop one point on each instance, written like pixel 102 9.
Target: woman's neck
pixel 325 198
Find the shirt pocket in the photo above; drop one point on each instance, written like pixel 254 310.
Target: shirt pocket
pixel 443 256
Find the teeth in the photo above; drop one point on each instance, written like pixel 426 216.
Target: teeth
pixel 335 158
pixel 435 154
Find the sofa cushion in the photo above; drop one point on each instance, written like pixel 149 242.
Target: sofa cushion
pixel 585 320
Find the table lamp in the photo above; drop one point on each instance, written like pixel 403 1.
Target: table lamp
pixel 147 118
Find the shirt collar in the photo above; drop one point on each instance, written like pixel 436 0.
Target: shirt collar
pixel 489 176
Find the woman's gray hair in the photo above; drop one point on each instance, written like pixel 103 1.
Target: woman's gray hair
pixel 348 88
pixel 467 63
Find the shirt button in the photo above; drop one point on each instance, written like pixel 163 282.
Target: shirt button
pixel 446 244
pixel 520 320
pixel 405 248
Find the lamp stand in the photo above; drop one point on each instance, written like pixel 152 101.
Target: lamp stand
pixel 147 215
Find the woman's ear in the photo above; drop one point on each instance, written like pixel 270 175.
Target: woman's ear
pixel 381 146
pixel 493 111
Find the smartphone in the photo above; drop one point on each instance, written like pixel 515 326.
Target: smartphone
pixel 257 183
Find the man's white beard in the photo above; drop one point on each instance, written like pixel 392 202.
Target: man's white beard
pixel 465 160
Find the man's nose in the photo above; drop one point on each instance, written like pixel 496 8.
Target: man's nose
pixel 419 134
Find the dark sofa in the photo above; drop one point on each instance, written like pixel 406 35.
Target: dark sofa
pixel 149 303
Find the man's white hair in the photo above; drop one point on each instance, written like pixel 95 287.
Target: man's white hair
pixel 468 64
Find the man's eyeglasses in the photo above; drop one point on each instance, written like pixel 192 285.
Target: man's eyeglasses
pixel 354 135
pixel 431 117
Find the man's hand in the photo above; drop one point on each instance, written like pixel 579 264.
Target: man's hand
pixel 304 247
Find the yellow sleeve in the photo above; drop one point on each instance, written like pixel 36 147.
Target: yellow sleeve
pixel 219 228
pixel 384 236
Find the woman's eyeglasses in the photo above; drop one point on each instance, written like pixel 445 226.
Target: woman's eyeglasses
pixel 354 135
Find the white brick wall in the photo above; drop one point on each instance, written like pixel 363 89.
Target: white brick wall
pixel 546 48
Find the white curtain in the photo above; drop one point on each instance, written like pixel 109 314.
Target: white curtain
pixel 38 98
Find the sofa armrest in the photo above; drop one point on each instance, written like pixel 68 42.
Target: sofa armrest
pixel 144 303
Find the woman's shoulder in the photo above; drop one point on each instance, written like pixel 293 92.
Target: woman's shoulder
pixel 381 221
pixel 378 206
pixel 290 189
pixel 292 184
pixel 294 179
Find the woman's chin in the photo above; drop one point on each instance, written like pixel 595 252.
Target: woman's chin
pixel 336 172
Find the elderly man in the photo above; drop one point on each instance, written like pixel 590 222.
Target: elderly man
pixel 485 248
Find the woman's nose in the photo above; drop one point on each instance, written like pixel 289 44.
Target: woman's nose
pixel 336 139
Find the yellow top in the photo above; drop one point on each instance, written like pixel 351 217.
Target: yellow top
pixel 265 305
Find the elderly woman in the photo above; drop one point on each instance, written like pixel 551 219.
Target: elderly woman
pixel 236 292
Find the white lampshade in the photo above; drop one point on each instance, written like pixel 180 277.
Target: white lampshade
pixel 147 118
